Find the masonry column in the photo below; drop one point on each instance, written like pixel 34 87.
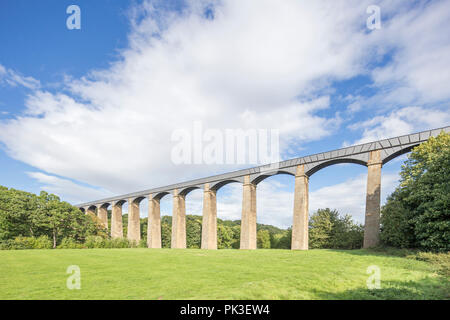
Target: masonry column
pixel 90 211
pixel 102 213
pixel 154 223
pixel 178 221
pixel 300 221
pixel 372 221
pixel 248 220
pixel 116 220
pixel 134 221
pixel 209 222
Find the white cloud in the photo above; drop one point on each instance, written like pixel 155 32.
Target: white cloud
pixel 418 39
pixel 269 67
pixel 14 79
pixel 403 121
pixel 349 197
pixel 246 68
pixel 67 189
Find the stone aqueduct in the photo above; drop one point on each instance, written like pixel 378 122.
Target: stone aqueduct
pixel 373 155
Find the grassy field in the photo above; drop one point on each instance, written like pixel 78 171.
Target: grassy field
pixel 222 274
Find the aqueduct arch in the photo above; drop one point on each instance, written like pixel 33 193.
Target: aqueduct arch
pixel 373 155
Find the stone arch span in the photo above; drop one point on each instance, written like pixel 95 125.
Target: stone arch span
pixel 262 177
pixel 328 163
pixel 217 185
pixel 388 156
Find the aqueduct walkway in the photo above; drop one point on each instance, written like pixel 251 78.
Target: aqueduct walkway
pixel 373 155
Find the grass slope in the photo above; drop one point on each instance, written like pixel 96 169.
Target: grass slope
pixel 222 274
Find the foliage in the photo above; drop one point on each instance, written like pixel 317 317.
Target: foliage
pixel 283 241
pixel 327 229
pixel 23 214
pixel 166 231
pixel 417 214
pixel 263 239
pixel 193 231
pixel 225 237
pixel 16 208
pixel 69 243
pixel 42 242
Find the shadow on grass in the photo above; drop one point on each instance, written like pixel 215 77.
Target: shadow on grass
pixel 425 289
pixel 381 252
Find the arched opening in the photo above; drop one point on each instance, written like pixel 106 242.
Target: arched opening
pixel 323 165
pixel 342 189
pixel 274 203
pixel 143 216
pixel 194 205
pixel 166 205
pixel 91 210
pixel 229 211
pixel 392 166
pixel 341 186
pixel 262 177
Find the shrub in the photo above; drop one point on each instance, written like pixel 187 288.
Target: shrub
pixel 143 243
pixel 20 243
pixel 95 242
pixel 69 243
pixel 42 242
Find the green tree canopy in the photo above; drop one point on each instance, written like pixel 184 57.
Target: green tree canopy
pixel 417 214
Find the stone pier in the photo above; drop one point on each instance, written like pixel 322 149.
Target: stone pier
pixel 372 219
pixel 209 221
pixel 178 221
pixel 134 221
pixel 154 223
pixel 300 221
pixel 102 213
pixel 91 211
pixel 248 220
pixel 116 220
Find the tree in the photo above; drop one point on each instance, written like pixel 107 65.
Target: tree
pixel 62 220
pixel 327 229
pixel 263 239
pixel 193 231
pixel 418 211
pixel 166 231
pixel 320 226
pixel 225 237
pixel 16 210
pixel 397 227
pixel 284 240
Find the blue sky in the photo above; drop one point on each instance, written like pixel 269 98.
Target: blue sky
pixel 89 113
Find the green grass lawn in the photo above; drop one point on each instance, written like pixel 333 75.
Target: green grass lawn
pixel 221 274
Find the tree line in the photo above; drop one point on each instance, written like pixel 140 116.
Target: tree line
pixel 44 221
